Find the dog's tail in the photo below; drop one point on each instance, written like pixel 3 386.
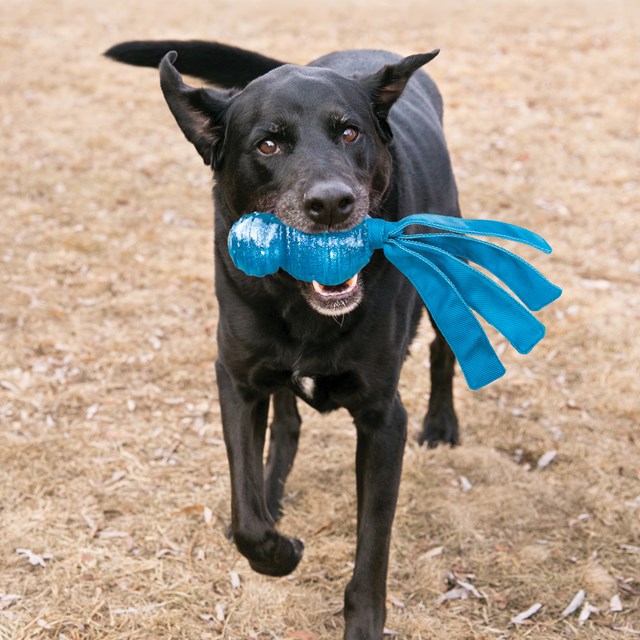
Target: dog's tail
pixel 220 64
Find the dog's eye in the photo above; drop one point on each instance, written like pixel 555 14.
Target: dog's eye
pixel 268 147
pixel 350 134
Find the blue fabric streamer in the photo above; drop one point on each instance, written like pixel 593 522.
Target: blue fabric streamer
pixel 435 263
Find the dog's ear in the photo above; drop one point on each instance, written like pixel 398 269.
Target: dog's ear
pixel 198 112
pixel 386 86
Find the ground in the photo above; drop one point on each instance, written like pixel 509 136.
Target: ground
pixel 113 476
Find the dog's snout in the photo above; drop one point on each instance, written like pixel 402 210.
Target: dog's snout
pixel 329 203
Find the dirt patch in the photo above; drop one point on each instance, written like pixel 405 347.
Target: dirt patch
pixel 112 469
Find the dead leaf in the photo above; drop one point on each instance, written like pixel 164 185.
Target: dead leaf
pixel 615 605
pixel 235 580
pixel 598 284
pixel 113 535
pixel 586 612
pixel 578 599
pixel 467 586
pixel 192 509
pixel 525 615
pixel 631 548
pixel 395 602
pixel 432 553
pixel 207 617
pixel 116 476
pixel 453 594
pixel 91 523
pixel 327 526
pixel 92 410
pixel 8 599
pixel 9 386
pixel 34 558
pixel 546 459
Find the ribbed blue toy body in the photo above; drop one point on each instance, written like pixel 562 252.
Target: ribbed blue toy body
pixel 260 244
pixel 435 263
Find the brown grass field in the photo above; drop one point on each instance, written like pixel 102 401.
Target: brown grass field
pixel 112 470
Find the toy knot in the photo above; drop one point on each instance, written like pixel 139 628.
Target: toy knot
pixel 378 231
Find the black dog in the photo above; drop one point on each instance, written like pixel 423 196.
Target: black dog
pixel 319 146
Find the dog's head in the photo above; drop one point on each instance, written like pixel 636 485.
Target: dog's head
pixel 304 143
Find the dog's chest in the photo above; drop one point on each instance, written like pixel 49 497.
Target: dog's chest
pixel 305 385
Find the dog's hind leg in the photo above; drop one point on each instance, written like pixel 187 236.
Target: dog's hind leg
pixel 440 423
pixel 283 445
pixel 244 423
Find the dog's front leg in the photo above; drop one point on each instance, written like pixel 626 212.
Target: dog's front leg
pixel 381 440
pixel 285 432
pixel 244 422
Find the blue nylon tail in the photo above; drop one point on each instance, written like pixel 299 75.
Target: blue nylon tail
pixel 490 228
pixel 522 278
pixel 452 290
pixel 461 329
pixel 486 298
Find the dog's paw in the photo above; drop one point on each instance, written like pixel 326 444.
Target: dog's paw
pixel 286 556
pixel 441 426
pixel 273 555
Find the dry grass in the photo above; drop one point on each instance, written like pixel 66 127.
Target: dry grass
pixel 110 440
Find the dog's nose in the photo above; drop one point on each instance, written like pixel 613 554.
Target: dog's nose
pixel 329 203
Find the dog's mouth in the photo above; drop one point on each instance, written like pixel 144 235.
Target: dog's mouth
pixel 334 300
pixel 336 291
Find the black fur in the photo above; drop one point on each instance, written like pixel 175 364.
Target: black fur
pixel 217 63
pixel 287 134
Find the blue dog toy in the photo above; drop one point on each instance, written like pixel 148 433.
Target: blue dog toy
pixel 259 245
